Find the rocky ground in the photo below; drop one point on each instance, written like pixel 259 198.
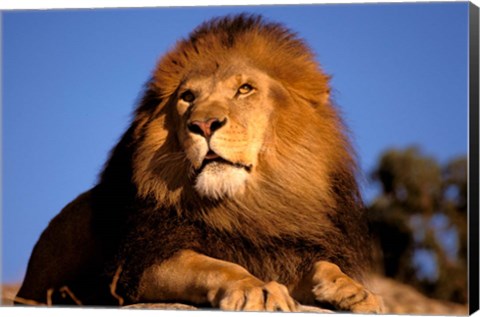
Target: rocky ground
pixel 8 293
pixel 398 299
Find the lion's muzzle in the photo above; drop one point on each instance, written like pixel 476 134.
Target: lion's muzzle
pixel 213 157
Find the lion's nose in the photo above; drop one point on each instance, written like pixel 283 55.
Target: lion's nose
pixel 206 128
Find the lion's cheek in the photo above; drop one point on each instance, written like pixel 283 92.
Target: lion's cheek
pixel 195 150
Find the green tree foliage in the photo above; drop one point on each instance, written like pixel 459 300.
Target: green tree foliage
pixel 420 219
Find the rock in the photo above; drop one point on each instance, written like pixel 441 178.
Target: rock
pixel 178 306
pixel 8 292
pixel 174 306
pixel 400 298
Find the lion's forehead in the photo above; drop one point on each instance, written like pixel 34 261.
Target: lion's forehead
pixel 231 72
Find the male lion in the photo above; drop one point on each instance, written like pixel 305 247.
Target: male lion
pixel 234 187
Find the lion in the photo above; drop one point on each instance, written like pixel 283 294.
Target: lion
pixel 234 187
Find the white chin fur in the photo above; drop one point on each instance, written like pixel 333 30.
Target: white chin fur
pixel 219 180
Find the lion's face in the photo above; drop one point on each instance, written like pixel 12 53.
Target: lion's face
pixel 223 118
pixel 236 113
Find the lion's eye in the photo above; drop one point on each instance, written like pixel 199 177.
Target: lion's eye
pixel 245 89
pixel 187 96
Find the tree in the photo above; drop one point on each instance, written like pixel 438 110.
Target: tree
pixel 420 219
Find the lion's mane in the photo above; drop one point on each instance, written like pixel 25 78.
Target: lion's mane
pixel 305 204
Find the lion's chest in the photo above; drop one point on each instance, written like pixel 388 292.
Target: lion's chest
pixel 282 260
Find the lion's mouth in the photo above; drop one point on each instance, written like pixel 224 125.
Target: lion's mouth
pixel 214 158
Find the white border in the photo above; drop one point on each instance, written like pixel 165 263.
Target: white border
pixel 6 5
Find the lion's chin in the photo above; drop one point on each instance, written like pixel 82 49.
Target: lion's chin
pixel 219 180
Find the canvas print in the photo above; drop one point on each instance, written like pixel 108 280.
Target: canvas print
pixel 293 158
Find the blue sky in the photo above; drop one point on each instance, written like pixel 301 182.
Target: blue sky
pixel 72 77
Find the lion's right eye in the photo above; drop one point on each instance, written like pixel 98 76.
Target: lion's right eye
pixel 187 96
pixel 245 89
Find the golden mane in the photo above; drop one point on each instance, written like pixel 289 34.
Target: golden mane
pixel 268 46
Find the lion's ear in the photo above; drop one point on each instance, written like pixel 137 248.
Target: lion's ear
pixel 325 97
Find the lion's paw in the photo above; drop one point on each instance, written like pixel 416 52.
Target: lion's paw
pixel 255 296
pixel 336 288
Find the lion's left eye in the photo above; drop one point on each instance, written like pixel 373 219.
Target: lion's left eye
pixel 245 89
pixel 187 96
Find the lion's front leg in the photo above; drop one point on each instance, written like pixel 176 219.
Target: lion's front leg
pixel 199 279
pixel 332 286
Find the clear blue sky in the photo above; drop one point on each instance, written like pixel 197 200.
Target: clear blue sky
pixel 72 77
